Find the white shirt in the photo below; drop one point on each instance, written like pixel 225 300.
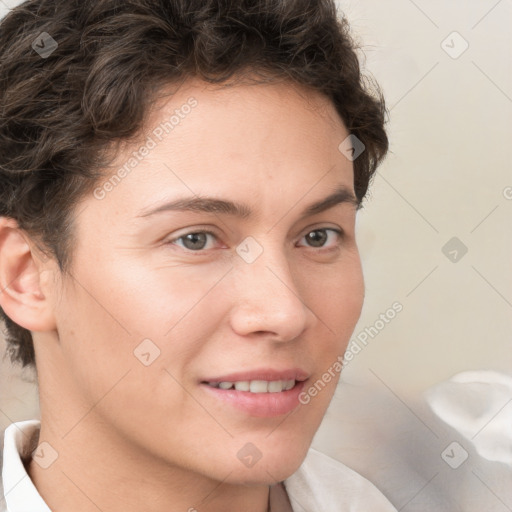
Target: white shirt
pixel 320 484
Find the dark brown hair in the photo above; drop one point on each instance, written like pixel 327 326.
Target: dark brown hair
pixel 60 112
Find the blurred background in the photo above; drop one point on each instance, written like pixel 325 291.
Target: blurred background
pixel 424 407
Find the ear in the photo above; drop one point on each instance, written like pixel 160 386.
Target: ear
pixel 21 268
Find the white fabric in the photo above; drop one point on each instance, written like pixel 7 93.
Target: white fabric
pixel 478 405
pixel 20 494
pixel 320 484
pixel 323 484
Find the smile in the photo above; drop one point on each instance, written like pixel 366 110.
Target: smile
pixel 256 386
pixel 264 399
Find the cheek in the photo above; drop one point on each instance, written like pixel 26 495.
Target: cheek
pixel 338 298
pixel 338 305
pixel 112 316
pixel 96 346
pixel 120 363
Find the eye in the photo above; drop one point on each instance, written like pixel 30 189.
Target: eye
pixel 318 237
pixel 195 240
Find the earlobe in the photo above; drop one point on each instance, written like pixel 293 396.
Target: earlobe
pixel 21 295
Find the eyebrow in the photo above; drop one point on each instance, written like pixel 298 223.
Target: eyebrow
pixel 215 205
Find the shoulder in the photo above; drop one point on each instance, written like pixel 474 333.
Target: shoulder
pixel 323 483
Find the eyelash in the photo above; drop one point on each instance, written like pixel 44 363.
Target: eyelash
pixel 207 232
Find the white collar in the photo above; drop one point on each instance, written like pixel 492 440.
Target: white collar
pixel 20 493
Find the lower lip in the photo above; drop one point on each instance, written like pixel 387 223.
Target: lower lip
pixel 263 405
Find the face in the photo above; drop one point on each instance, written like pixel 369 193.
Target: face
pixel 166 300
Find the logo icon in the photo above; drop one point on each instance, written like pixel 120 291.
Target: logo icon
pixel 249 455
pixel 351 147
pixel 45 455
pixel 249 249
pixel 454 250
pixel 146 352
pixel 454 455
pixel 44 44
pixel 454 45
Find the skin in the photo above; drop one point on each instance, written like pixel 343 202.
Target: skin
pixel 132 437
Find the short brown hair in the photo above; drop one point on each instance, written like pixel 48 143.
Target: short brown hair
pixel 60 112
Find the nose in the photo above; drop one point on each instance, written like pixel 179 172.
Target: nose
pixel 266 300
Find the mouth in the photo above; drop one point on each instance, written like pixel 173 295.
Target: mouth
pixel 260 393
pixel 255 386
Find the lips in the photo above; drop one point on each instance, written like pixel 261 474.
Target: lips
pixel 264 374
pixel 263 393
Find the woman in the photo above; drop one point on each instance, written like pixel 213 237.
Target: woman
pixel 179 188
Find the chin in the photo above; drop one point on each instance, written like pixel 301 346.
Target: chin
pixel 271 464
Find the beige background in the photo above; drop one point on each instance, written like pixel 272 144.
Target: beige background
pixel 447 176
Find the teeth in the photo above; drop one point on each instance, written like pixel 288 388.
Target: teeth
pixel 242 385
pixel 257 386
pixel 288 384
pixel 275 386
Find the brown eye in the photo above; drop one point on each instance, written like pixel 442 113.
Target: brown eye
pixel 319 237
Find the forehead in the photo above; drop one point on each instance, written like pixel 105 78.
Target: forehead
pixel 205 139
pixel 245 110
pixel 254 122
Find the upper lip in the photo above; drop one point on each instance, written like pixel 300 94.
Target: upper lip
pixel 267 374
